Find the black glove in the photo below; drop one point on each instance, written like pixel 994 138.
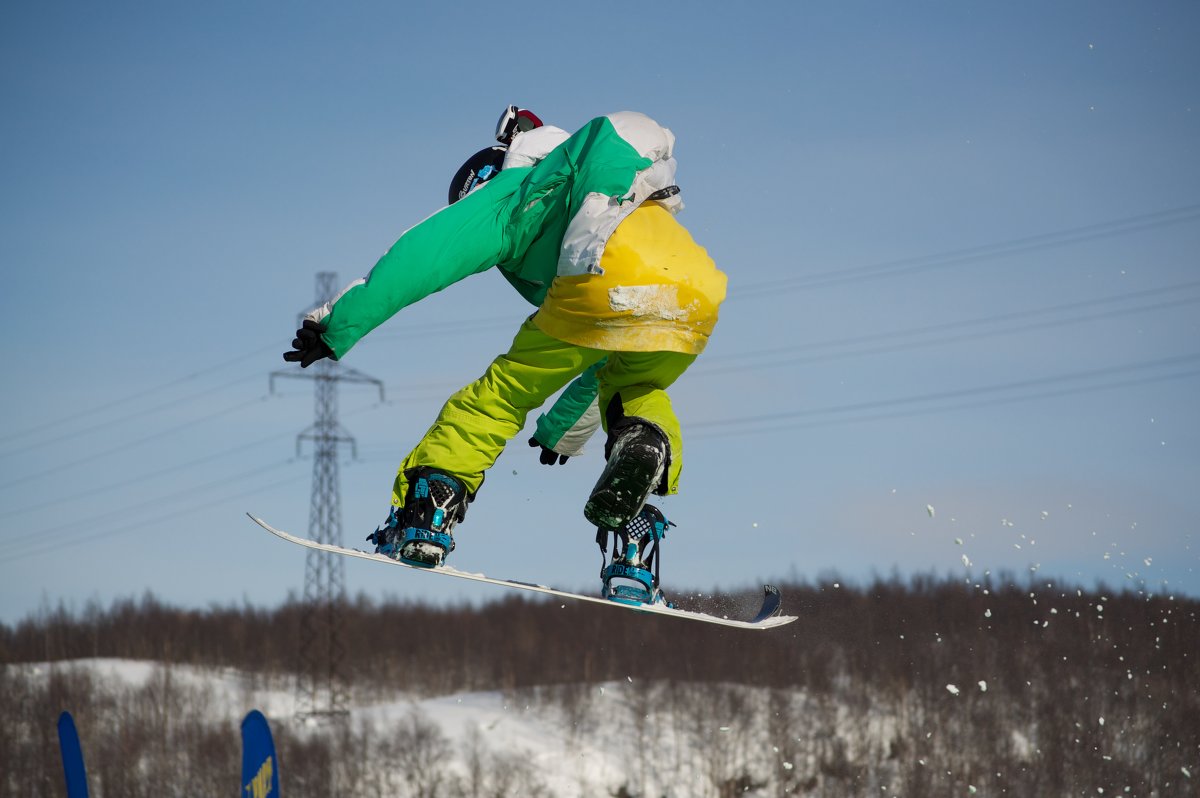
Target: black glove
pixel 548 454
pixel 307 346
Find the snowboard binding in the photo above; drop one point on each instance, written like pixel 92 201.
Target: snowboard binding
pixel 420 532
pixel 631 577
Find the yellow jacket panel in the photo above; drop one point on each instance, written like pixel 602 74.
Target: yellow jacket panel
pixel 658 291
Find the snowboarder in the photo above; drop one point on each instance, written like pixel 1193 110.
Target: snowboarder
pixel 584 227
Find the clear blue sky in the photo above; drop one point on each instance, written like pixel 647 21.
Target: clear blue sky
pixel 961 241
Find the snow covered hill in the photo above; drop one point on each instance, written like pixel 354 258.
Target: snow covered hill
pixel 925 690
pixel 618 738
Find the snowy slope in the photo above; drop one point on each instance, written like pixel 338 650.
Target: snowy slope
pixel 590 742
pixel 662 739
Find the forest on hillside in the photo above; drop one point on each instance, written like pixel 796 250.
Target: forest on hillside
pixel 920 687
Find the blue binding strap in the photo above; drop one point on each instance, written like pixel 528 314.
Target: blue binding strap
pixel 439 539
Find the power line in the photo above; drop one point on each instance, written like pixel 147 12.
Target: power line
pixel 138 415
pixel 416 393
pixel 161 471
pixel 159 502
pixel 961 394
pixel 894 345
pixel 77 495
pixel 969 405
pixel 135 396
pixel 56 545
pixel 78 461
pixel 94 410
pixel 985 320
pixel 905 266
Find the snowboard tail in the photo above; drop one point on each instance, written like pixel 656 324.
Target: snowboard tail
pixel 768 617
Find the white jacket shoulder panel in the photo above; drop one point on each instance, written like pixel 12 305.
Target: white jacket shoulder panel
pixel 599 214
pixel 533 145
pixel 649 138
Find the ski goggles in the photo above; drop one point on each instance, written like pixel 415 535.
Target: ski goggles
pixel 515 120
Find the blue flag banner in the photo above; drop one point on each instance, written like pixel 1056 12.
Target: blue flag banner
pixel 260 768
pixel 72 757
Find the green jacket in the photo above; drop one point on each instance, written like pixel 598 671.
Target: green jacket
pixel 533 223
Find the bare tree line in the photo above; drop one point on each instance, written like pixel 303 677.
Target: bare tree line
pixel 926 687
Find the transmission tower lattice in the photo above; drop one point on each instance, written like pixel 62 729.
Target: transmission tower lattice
pixel 321 689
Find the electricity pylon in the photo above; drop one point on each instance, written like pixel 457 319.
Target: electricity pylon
pixel 321 690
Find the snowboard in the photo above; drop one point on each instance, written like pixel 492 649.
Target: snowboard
pixel 768 617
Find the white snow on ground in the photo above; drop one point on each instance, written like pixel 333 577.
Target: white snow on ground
pixel 227 690
pixel 566 767
pixel 539 736
pixel 667 739
pixel 656 739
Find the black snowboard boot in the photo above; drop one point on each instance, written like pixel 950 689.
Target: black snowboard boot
pixel 420 532
pixel 637 461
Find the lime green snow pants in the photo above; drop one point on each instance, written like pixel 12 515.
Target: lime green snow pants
pixel 477 421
